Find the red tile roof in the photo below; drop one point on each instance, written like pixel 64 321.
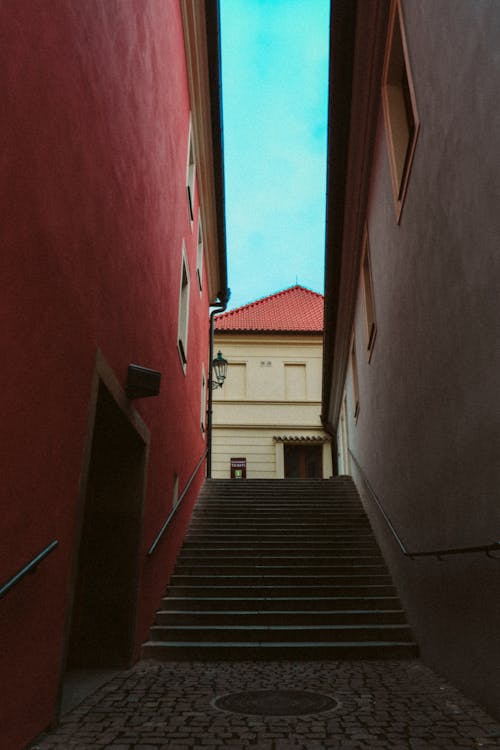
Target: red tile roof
pixel 294 310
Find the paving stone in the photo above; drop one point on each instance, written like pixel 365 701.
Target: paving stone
pixel 390 705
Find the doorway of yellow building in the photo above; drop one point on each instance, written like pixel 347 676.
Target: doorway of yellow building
pixel 303 461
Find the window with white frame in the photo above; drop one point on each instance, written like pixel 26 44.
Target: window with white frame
pixel 203 400
pixel 199 255
pixel 182 336
pixel 190 175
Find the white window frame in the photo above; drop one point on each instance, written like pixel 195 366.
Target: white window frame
pixel 190 174
pixel 203 400
pixel 199 254
pixel 183 319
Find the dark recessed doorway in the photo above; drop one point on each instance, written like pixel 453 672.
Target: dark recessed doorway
pixel 303 461
pixel 104 604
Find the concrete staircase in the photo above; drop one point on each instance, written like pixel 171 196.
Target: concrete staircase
pixel 280 569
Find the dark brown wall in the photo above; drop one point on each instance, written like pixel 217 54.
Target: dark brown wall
pixel 428 434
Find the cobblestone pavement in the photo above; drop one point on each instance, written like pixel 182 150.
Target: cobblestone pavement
pixel 170 706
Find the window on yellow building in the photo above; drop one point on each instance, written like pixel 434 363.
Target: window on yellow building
pixel 295 382
pixel 235 385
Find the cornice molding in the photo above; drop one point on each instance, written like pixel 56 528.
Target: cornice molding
pixel 248 402
pixel 201 41
pixel 357 52
pixel 268 339
pixel 268 427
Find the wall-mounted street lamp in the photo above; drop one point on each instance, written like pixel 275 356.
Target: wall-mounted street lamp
pixel 217 364
pixel 219 369
pixel 216 379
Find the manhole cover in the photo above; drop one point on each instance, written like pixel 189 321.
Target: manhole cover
pixel 276 702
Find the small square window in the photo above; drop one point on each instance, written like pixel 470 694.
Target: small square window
pixel 399 104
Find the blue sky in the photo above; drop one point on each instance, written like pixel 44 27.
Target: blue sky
pixel 274 84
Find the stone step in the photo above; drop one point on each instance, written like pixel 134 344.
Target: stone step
pixel 301 502
pixel 295 579
pixel 308 555
pixel 255 548
pixel 361 529
pixel 306 546
pixel 299 651
pixel 267 508
pixel 254 485
pixel 277 591
pixel 216 557
pixel 277 521
pixel 304 500
pixel 294 497
pixel 273 633
pixel 280 494
pixel 278 570
pixel 309 515
pixel 280 517
pixel 333 530
pixel 341 533
pixel 305 542
pixel 291 617
pixel 277 488
pixel 279 603
pixel 271 528
pixel 333 526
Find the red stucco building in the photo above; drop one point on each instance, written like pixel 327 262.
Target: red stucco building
pixel 112 250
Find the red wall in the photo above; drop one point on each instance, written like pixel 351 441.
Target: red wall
pixel 94 146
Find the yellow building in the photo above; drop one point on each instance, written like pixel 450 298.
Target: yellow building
pixel 266 418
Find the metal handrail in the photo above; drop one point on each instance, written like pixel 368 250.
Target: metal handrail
pixel 176 506
pixel 29 568
pixel 439 553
